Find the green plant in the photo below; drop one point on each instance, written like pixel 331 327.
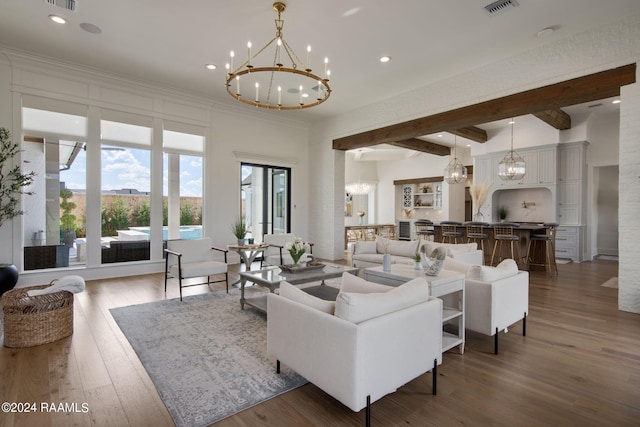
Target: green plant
pixel 417 257
pixel 67 219
pixel 502 212
pixel 239 228
pixel 143 214
pixel 13 181
pixel 187 214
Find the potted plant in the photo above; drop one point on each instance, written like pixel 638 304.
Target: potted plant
pixel 239 229
pixel 418 261
pixel 502 213
pixel 67 219
pixel 12 184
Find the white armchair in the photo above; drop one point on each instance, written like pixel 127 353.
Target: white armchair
pixel 359 361
pixel 496 297
pixel 186 259
pixel 276 254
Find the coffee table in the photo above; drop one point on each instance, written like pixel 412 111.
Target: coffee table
pixel 271 277
pixel 447 284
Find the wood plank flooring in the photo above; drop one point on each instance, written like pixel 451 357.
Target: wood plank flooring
pixel 579 365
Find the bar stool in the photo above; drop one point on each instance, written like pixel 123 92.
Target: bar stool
pixel 450 231
pixel 549 241
pixel 503 234
pixel 424 229
pixel 476 233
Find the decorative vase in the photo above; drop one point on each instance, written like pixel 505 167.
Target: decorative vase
pixel 361 220
pixel 478 217
pixel 8 277
pixel 386 262
pixel 240 242
pixel 417 266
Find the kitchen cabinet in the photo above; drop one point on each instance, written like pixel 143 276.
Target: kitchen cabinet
pixel 572 185
pixel 570 243
pixel 540 168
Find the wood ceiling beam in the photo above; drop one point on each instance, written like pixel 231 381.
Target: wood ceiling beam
pixel 555 118
pixel 471 132
pixel 604 84
pixel 424 146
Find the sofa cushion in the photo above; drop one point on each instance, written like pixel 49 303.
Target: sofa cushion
pixel 287 290
pixel 372 258
pixel 355 284
pixel 485 273
pixel 453 264
pixel 363 247
pixel 357 307
pixel 452 248
pixel 405 248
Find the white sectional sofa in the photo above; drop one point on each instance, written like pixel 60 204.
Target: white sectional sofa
pixel 369 254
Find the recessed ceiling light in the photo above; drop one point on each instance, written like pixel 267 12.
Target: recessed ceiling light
pixel 385 58
pixel 440 135
pixel 58 19
pixel 211 67
pixel 468 145
pixel 616 101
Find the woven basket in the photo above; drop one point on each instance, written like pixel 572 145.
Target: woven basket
pixel 36 320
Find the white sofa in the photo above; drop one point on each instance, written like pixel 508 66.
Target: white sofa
pixel 375 343
pixel 495 297
pixel 367 254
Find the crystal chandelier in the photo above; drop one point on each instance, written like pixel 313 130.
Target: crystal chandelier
pixel 359 188
pixel 293 86
pixel 512 166
pixel 455 172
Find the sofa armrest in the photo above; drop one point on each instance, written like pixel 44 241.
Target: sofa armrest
pixel 350 361
pixel 498 304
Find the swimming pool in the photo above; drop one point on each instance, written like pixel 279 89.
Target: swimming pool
pixel 187 232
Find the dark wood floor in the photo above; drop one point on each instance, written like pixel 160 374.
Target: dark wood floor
pixel 579 365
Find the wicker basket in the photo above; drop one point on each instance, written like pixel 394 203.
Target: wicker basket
pixel 35 320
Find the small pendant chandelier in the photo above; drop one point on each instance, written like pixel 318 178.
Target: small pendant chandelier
pixel 512 166
pixel 455 172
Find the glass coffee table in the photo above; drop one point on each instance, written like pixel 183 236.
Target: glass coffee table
pixel 271 277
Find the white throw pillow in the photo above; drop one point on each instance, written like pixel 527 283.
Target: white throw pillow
pixel 451 248
pixel 365 247
pixel 452 264
pixel 403 248
pixel 357 308
pixel 485 273
pixel 355 284
pixel 287 290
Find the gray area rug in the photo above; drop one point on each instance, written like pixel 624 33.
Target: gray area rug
pixel 206 357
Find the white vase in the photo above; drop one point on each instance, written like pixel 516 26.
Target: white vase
pixel 417 266
pixel 386 262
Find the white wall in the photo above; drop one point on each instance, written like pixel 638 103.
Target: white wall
pixel 595 50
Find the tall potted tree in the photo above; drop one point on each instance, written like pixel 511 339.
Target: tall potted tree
pixel 12 184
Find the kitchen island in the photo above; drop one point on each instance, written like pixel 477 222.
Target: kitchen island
pixel 524 231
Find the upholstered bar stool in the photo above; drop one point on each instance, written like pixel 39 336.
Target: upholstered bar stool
pixel 476 233
pixel 450 231
pixel 549 241
pixel 424 229
pixel 503 235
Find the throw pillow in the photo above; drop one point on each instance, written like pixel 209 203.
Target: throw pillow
pixel 455 265
pixel 287 290
pixel 357 308
pixel 403 248
pixel 355 284
pixel 485 273
pixel 365 247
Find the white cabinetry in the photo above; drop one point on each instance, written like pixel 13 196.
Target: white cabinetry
pixel 422 196
pixel 540 168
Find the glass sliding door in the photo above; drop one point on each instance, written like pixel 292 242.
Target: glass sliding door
pixel 266 200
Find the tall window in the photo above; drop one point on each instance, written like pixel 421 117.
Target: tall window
pixel 54 220
pixel 182 187
pixel 126 182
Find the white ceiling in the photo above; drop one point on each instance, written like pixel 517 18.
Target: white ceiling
pixel 169 42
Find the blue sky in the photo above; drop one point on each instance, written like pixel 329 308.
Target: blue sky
pixel 130 168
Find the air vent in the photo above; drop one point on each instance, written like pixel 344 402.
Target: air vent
pixel 65 4
pixel 594 105
pixel 500 6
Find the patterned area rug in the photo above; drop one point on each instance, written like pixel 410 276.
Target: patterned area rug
pixel 611 283
pixel 206 357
